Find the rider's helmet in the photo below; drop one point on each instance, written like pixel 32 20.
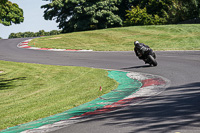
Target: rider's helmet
pixel 136 43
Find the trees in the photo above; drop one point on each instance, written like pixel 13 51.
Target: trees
pixel 148 12
pixel 10 13
pixel 80 15
pixel 182 10
pixel 162 11
pixel 156 7
pixel 32 34
pixel 138 16
pixel 124 5
pixel 54 32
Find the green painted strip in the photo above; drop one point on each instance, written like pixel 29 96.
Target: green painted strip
pixel 127 86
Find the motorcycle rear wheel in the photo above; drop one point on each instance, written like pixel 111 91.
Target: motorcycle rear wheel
pixel 152 60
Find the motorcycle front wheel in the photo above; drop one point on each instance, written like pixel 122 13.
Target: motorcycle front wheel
pixel 152 60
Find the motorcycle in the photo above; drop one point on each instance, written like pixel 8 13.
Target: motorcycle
pixel 148 56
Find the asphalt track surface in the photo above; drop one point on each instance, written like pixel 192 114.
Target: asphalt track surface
pixel 177 109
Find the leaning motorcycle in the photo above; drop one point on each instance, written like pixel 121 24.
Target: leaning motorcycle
pixel 149 56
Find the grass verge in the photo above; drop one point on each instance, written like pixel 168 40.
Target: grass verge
pixel 159 37
pixel 32 91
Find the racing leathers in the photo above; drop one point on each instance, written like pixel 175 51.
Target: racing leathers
pixel 140 50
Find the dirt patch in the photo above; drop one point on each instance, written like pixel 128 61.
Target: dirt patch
pixel 55 38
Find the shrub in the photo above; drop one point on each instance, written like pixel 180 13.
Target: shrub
pixel 138 16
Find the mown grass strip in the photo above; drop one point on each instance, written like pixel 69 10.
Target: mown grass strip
pixel 32 91
pixel 159 37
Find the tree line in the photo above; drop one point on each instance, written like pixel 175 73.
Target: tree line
pixel 33 34
pixel 154 12
pixel 82 15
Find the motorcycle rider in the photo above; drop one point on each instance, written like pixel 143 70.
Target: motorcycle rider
pixel 141 48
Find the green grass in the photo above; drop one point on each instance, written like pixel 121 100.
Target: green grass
pixel 160 37
pixel 32 91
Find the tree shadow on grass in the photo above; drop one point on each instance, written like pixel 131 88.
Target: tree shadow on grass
pixel 9 83
pixel 178 109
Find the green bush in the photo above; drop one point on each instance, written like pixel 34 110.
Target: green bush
pixel 138 16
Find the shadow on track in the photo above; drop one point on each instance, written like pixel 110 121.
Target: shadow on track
pixel 143 66
pixel 176 110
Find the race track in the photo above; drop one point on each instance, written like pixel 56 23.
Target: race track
pixel 177 109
